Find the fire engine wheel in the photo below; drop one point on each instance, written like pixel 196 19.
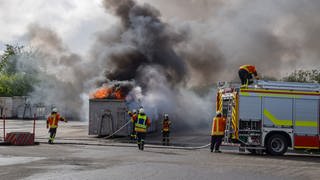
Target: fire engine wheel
pixel 277 145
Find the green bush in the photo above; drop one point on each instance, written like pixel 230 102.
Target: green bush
pixel 13 82
pixel 304 76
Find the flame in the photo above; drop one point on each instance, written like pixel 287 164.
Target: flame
pixel 118 94
pixel 108 93
pixel 102 93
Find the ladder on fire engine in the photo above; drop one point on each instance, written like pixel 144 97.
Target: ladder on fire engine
pixel 228 130
pixel 294 86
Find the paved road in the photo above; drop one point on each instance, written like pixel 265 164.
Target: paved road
pixel 104 161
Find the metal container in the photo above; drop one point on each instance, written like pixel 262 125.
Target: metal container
pixel 106 116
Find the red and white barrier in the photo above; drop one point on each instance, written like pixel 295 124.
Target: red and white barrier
pixel 20 138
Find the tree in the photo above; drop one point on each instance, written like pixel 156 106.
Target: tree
pixel 13 82
pixel 304 76
pixel 9 59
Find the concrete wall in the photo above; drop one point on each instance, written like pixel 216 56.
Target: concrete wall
pixel 6 106
pixel 18 104
pixel 19 107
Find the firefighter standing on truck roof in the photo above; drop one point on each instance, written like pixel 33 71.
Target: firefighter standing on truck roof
pixel 245 74
pixel 133 115
pixel 52 124
pixel 217 132
pixel 166 130
pixel 142 122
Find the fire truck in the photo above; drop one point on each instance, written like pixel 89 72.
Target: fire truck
pixel 270 116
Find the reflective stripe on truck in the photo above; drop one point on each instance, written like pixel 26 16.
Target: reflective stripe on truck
pixel 280 122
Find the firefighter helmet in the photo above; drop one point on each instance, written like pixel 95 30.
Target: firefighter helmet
pixel 54 110
pixel 141 111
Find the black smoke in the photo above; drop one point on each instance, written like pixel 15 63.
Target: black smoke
pixel 148 51
pixel 149 43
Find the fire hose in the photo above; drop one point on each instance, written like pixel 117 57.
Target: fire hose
pixel 128 145
pixel 147 146
pixel 166 147
pixel 118 130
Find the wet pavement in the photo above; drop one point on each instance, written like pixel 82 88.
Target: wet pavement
pixel 79 156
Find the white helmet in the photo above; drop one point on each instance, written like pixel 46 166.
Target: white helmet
pixel 134 111
pixel 141 111
pixel 166 115
pixel 54 110
pixel 218 113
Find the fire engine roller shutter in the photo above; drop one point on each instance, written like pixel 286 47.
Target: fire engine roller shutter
pixel 277 111
pixel 306 124
pixel 306 110
pixel 250 108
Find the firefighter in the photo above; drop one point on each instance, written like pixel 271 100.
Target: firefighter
pixel 166 130
pixel 52 124
pixel 142 122
pixel 217 132
pixel 245 74
pixel 133 116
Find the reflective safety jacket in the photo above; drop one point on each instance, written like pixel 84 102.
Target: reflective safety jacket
pixel 218 126
pixel 132 117
pixel 53 120
pixel 166 125
pixel 142 122
pixel 251 69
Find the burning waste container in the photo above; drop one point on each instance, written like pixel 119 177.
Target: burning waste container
pixel 108 109
pixel 106 116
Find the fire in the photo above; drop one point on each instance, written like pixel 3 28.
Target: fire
pixel 106 92
pixel 102 93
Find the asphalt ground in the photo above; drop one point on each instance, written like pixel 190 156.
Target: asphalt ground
pixel 79 156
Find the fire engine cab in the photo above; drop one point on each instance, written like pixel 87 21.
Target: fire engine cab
pixel 271 116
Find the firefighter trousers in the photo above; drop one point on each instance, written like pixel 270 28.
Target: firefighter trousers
pixel 133 134
pixel 165 137
pixel 52 132
pixel 140 139
pixel 216 141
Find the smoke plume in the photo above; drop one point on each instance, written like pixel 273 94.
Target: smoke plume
pixel 166 49
pixel 145 52
pixel 276 36
pixel 144 41
pixel 63 78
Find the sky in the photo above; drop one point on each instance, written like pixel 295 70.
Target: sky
pixel 73 20
pixel 285 29
pixel 169 46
